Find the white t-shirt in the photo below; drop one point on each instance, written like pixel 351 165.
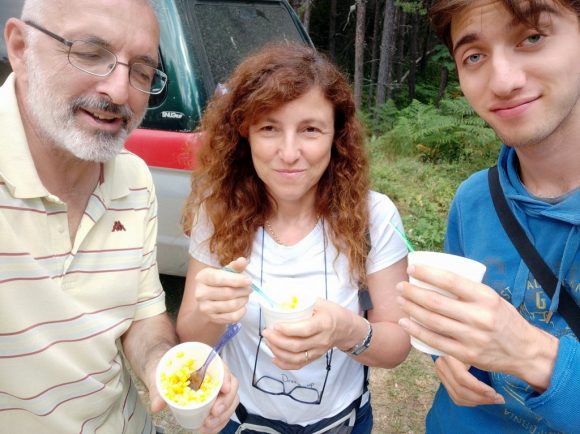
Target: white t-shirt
pixel 305 262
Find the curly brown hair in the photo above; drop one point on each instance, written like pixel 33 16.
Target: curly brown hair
pixel 225 182
pixel 526 11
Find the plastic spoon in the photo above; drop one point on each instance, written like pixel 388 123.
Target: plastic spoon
pixel 197 376
pixel 255 288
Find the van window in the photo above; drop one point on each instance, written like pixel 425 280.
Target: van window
pixel 231 30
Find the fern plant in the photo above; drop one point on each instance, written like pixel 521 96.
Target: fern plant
pixel 445 134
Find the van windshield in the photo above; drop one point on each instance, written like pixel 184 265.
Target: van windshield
pixel 231 30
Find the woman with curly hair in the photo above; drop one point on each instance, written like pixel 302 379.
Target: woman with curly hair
pixel 282 191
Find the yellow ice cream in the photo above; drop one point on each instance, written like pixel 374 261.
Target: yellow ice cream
pixel 292 304
pixel 174 381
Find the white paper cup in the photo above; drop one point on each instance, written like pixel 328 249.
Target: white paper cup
pixel 282 292
pixel 193 414
pixel 465 267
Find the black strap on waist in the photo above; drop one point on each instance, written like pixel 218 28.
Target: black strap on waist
pixel 245 417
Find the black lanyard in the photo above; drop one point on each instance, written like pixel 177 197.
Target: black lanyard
pixel 567 307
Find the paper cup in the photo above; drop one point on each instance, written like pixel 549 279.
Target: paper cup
pixel 192 414
pixel 293 302
pixel 465 267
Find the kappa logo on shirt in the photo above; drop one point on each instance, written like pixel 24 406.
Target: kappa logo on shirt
pixel 118 226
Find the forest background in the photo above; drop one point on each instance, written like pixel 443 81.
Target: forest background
pixel 423 140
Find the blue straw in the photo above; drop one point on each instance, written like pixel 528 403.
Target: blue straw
pixel 402 236
pixel 254 287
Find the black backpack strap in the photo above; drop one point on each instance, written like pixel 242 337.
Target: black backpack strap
pixel 366 370
pixel 366 304
pixel 241 412
pixel 282 427
pixel 567 307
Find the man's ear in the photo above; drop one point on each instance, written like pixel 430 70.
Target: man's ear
pixel 16 45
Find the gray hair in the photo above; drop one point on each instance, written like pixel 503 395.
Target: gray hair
pixel 35 9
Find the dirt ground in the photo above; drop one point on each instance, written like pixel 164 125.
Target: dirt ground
pixel 401 398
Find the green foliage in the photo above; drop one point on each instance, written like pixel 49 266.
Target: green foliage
pixel 382 118
pixel 422 194
pixel 422 158
pixel 425 92
pixel 442 57
pixel 411 7
pixel 422 190
pixel 445 134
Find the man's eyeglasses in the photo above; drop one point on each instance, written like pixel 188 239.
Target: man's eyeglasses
pixel 96 60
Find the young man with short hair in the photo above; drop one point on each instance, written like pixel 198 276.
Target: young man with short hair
pixel 518 67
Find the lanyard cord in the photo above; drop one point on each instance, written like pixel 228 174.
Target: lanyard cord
pixel 324 242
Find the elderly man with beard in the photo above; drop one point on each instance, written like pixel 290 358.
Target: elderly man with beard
pixel 79 287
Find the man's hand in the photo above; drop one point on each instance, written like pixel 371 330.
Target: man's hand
pixel 156 402
pixel 463 388
pixel 144 343
pixel 224 406
pixel 478 327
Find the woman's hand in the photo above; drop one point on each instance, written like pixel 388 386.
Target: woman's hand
pixel 296 344
pixel 222 295
pixel 463 388
pixel 212 298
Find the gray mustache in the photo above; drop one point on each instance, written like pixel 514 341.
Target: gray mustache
pixel 102 104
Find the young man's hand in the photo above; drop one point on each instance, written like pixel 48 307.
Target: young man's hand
pixel 477 326
pixel 463 387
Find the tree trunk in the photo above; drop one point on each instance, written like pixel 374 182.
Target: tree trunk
pixel 332 30
pixel 386 62
pixel 359 48
pixel 398 50
pixel 443 79
pixel 401 32
pixel 307 9
pixel 413 54
pixel 374 48
pixel 426 44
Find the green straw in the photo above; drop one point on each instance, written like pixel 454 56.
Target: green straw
pixel 403 237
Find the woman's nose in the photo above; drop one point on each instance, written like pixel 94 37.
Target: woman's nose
pixel 289 148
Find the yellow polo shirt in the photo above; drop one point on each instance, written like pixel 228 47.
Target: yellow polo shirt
pixel 64 307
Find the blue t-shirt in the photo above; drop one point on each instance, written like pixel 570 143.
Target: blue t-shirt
pixel 475 231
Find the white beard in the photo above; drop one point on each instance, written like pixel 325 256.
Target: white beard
pixel 55 118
